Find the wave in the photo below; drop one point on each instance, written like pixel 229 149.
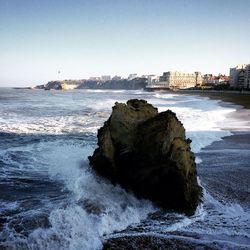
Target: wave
pixel 95 207
pixel 53 145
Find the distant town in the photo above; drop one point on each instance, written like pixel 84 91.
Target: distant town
pixel 238 79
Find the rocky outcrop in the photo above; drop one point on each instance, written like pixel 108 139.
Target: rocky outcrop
pixel 134 242
pixel 137 83
pixel 147 152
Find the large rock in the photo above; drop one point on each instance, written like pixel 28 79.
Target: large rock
pixel 147 152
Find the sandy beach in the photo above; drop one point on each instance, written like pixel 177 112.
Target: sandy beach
pixel 231 154
pixel 226 176
pixel 238 101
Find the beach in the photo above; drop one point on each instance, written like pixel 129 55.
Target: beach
pixel 236 97
pixel 226 177
pixel 224 173
pixel 229 171
pixel 50 198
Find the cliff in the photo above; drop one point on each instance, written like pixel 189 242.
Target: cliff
pixel 137 83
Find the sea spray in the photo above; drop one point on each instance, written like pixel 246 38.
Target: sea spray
pixel 45 138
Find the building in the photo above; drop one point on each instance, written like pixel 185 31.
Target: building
pixel 95 78
pixel 105 78
pixel 152 80
pixel 179 80
pixel 116 78
pixel 209 79
pixel 132 76
pixel 240 76
pixel 247 77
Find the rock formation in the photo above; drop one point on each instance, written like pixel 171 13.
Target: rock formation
pixel 137 83
pixel 147 152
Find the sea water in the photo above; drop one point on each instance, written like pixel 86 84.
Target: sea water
pixel 51 199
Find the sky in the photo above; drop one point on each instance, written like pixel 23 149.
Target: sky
pixel 83 38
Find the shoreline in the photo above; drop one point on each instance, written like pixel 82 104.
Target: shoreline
pixel 224 173
pixel 224 178
pixel 232 153
pixel 238 98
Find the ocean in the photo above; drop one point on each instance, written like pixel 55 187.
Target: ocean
pixel 51 199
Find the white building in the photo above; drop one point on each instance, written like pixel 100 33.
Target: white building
pixel 179 80
pixel 95 78
pixel 152 80
pixel 240 76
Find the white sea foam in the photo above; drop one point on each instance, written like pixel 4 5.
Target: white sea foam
pixel 109 208
pixel 220 218
pixel 197 114
pixel 55 125
pixel 72 226
pixel 204 127
pixel 104 91
pixel 8 206
pixel 164 95
pixel 201 117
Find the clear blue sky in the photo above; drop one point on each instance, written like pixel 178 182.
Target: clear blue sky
pixel 85 38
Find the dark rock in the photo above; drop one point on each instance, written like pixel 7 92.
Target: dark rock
pixel 91 207
pixel 137 83
pixel 153 242
pixel 147 152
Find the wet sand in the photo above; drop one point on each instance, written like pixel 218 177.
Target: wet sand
pixel 226 176
pixel 155 242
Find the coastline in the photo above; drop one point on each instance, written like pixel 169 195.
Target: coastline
pixel 224 178
pixel 223 173
pixel 237 98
